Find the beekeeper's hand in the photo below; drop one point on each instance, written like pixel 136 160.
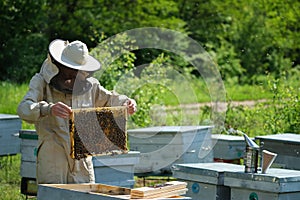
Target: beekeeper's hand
pixel 60 109
pixel 131 106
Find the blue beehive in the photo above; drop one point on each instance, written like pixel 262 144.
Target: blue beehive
pixel 205 180
pixel 163 146
pixel 9 130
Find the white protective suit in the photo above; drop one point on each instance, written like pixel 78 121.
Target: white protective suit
pixel 54 164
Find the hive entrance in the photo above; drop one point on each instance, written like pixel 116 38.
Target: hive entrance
pixel 98 131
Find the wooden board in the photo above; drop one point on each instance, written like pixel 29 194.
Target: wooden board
pixel 98 131
pixel 169 189
pixel 87 192
pixel 81 191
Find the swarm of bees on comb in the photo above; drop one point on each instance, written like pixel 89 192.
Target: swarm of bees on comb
pixel 98 131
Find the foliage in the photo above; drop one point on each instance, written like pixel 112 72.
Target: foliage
pixel 284 114
pixel 119 16
pixel 22 44
pixel 30 54
pixel 260 36
pixel 115 58
pixel 87 21
pixel 245 38
pixel 147 89
pixel 279 114
pixel 261 40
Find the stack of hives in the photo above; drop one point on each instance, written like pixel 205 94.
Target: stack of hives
pixel 98 131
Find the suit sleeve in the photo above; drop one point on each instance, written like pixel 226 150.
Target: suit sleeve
pixel 32 107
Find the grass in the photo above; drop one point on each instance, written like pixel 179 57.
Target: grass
pixel 196 91
pixel 10 179
pixel 11 95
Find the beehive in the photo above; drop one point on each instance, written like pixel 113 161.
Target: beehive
pixel 163 146
pixel 9 128
pixel 98 131
pixel 276 184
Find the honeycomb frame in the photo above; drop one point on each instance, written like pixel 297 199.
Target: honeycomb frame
pixel 98 131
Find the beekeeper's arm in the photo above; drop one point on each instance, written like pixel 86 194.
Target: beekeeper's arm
pixel 32 107
pixel 105 97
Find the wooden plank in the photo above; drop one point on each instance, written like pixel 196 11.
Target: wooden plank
pixel 95 188
pixel 167 194
pixel 169 189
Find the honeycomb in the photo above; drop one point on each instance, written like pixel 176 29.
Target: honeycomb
pixel 98 131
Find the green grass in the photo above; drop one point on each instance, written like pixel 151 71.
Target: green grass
pixel 10 179
pixel 11 95
pixel 196 91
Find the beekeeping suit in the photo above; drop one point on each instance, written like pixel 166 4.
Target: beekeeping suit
pixel 54 163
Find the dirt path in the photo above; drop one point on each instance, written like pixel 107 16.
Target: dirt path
pixel 220 106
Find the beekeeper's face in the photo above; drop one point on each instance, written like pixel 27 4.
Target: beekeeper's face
pixel 69 79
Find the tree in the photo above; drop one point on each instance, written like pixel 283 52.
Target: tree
pixel 261 36
pixel 21 40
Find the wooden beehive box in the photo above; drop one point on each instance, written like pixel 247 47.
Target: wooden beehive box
pixel 9 129
pixel 98 131
pixel 87 192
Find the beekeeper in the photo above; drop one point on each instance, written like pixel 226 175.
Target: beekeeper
pixel 64 82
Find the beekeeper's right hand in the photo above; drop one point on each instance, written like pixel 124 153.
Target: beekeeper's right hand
pixel 60 109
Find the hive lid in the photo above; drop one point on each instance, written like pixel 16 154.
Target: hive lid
pixel 28 134
pixel 286 137
pixel 204 172
pixel 168 129
pixel 275 180
pixel 8 116
pixel 227 137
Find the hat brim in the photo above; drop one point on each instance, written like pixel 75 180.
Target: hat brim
pixel 56 48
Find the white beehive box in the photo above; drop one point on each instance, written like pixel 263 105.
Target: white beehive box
pixel 205 180
pixel 9 130
pixel 114 170
pixel 29 142
pixel 276 184
pixel 228 148
pixel 163 146
pixel 287 148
